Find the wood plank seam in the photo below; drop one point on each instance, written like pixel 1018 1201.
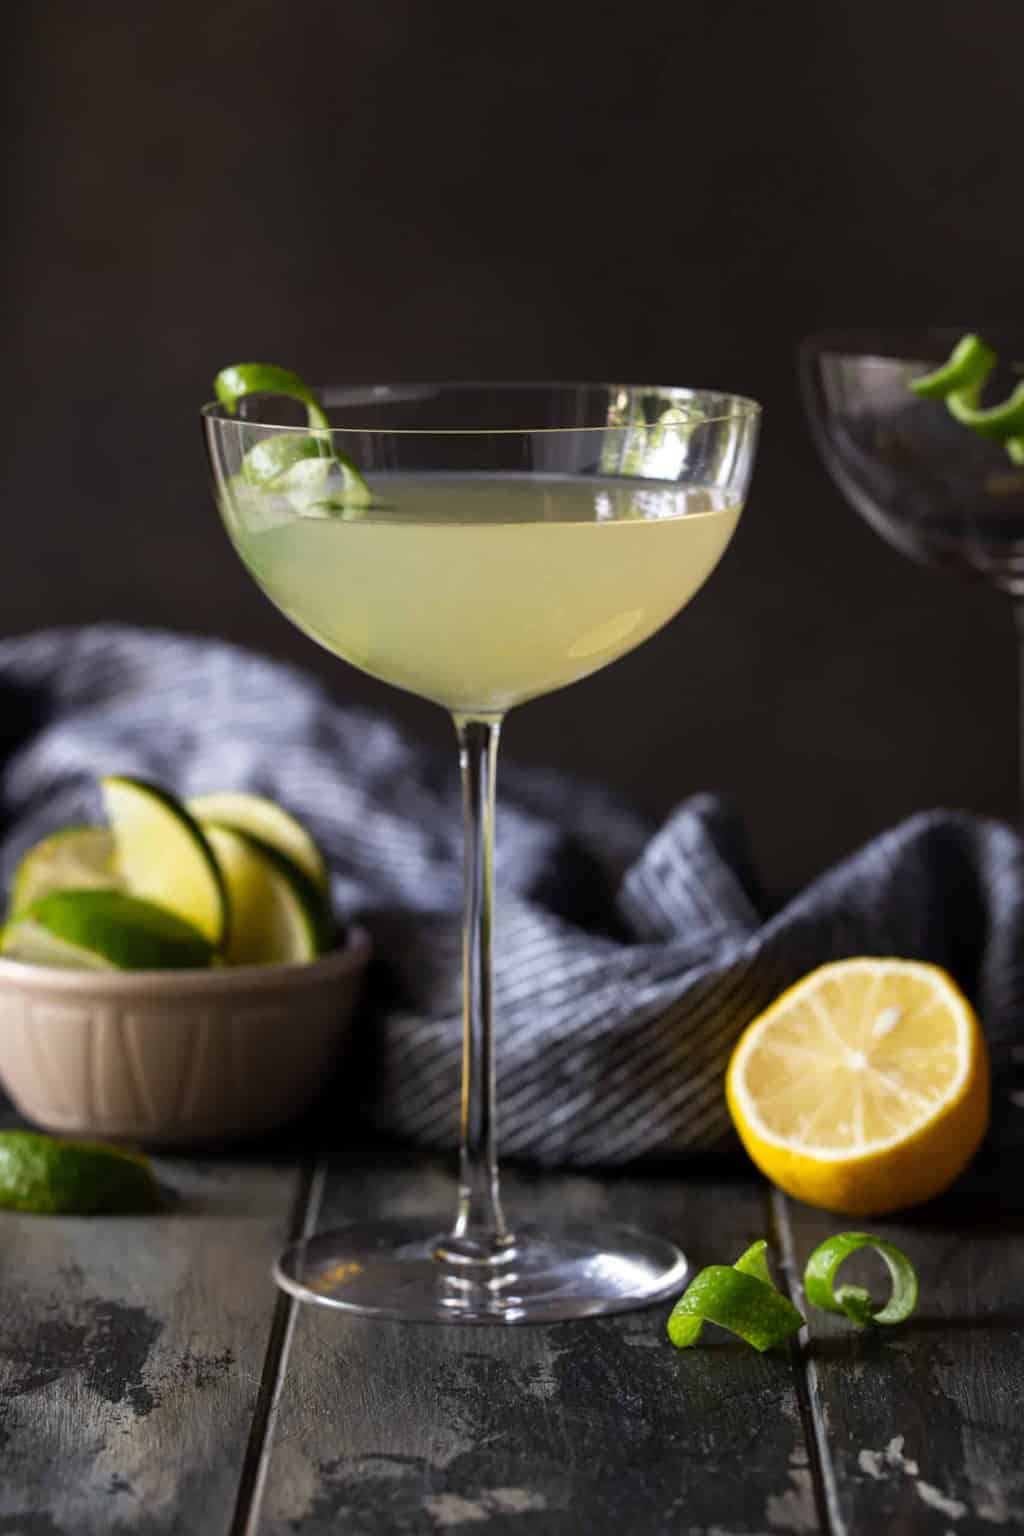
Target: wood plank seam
pixel 823 1476
pixel 252 1481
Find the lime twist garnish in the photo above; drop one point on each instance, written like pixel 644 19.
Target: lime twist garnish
pixel 300 458
pixel 825 1263
pixel 960 382
pixel 744 1299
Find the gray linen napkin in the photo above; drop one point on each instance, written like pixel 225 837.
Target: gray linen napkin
pixel 627 963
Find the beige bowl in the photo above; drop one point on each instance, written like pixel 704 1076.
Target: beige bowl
pixel 174 1056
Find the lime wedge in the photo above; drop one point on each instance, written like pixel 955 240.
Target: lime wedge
pixel 75 858
pixel 278 916
pixel 261 818
pixel 72 1178
pixel 164 857
pixel 103 931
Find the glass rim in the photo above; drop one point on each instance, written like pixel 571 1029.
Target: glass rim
pixel 740 407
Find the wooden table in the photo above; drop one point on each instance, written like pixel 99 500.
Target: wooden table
pixel 152 1380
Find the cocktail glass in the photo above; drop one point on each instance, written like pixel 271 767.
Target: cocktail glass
pixel 519 537
pixel 932 488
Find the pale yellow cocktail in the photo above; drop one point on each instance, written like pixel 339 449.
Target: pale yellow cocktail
pixel 481 591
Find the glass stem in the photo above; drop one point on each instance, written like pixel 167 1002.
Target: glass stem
pixel 480 1234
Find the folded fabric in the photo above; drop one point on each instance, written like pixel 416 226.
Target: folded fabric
pixel 627 963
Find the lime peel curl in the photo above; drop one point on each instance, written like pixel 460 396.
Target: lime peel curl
pixel 968 366
pixel 853 1300
pixel 271 458
pixel 740 1297
pixel 960 382
pixel 744 1299
pixel 240 379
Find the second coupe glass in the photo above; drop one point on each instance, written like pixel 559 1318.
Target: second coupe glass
pixel 933 489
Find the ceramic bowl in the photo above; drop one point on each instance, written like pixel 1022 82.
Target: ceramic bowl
pixel 166 1057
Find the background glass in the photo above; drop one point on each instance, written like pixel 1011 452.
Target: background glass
pixel 931 487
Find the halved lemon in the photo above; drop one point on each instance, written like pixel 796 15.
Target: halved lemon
pixel 864 1088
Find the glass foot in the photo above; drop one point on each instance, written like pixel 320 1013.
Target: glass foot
pixel 398 1269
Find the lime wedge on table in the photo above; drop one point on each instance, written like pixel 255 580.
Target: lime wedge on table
pixel 103 931
pixel 163 855
pixel 263 819
pixel 277 914
pixel 50 1177
pixel 75 858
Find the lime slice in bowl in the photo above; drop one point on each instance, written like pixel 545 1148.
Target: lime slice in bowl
pixel 278 916
pixel 262 818
pixel 103 931
pixel 73 1178
pixel 75 858
pixel 163 855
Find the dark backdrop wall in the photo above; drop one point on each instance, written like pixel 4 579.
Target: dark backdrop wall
pixel 668 192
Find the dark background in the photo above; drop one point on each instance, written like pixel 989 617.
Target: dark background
pixel 660 192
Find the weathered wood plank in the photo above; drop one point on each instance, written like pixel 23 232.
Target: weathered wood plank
pixel 593 1427
pixel 131 1351
pixel 923 1423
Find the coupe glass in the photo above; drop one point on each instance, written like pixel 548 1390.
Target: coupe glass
pixel 519 537
pixel 931 487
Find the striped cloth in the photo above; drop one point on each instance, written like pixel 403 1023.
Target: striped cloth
pixel 627 963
